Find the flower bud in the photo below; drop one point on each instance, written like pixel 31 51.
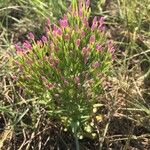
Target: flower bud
pixel 44 39
pixel 39 43
pixel 59 32
pixel 98 47
pixel 27 45
pixel 95 65
pixel 31 36
pixel 92 39
pixel 87 3
pixel 63 23
pixel 18 48
pixel 78 42
pixel 84 50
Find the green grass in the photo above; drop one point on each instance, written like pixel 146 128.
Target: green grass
pixel 125 112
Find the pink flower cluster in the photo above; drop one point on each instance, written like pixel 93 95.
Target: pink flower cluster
pixel 72 33
pixel 98 23
pixel 58 31
pixel 64 22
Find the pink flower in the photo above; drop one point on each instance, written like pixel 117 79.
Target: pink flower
pixel 44 39
pixel 80 13
pixel 52 45
pixel 94 25
pixel 59 32
pixel 101 28
pixel 56 62
pixel 39 43
pixel 65 17
pixel 85 53
pixel 84 50
pixel 45 58
pixel 82 34
pixel 112 50
pixel 101 21
pixel 31 36
pixel 110 43
pixel 98 47
pixel 92 39
pixel 27 45
pixel 18 48
pixel 87 3
pixel 55 28
pixel 95 19
pixel 63 23
pixel 78 42
pixel 14 78
pixel 50 85
pixel 85 22
pixel 77 80
pixel 51 59
pixel 17 63
pixel 80 4
pixel 96 65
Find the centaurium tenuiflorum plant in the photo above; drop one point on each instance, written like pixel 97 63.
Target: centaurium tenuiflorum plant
pixel 66 66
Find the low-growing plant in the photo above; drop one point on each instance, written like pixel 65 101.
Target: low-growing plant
pixel 66 67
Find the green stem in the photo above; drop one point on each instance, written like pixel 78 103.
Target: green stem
pixel 77 142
